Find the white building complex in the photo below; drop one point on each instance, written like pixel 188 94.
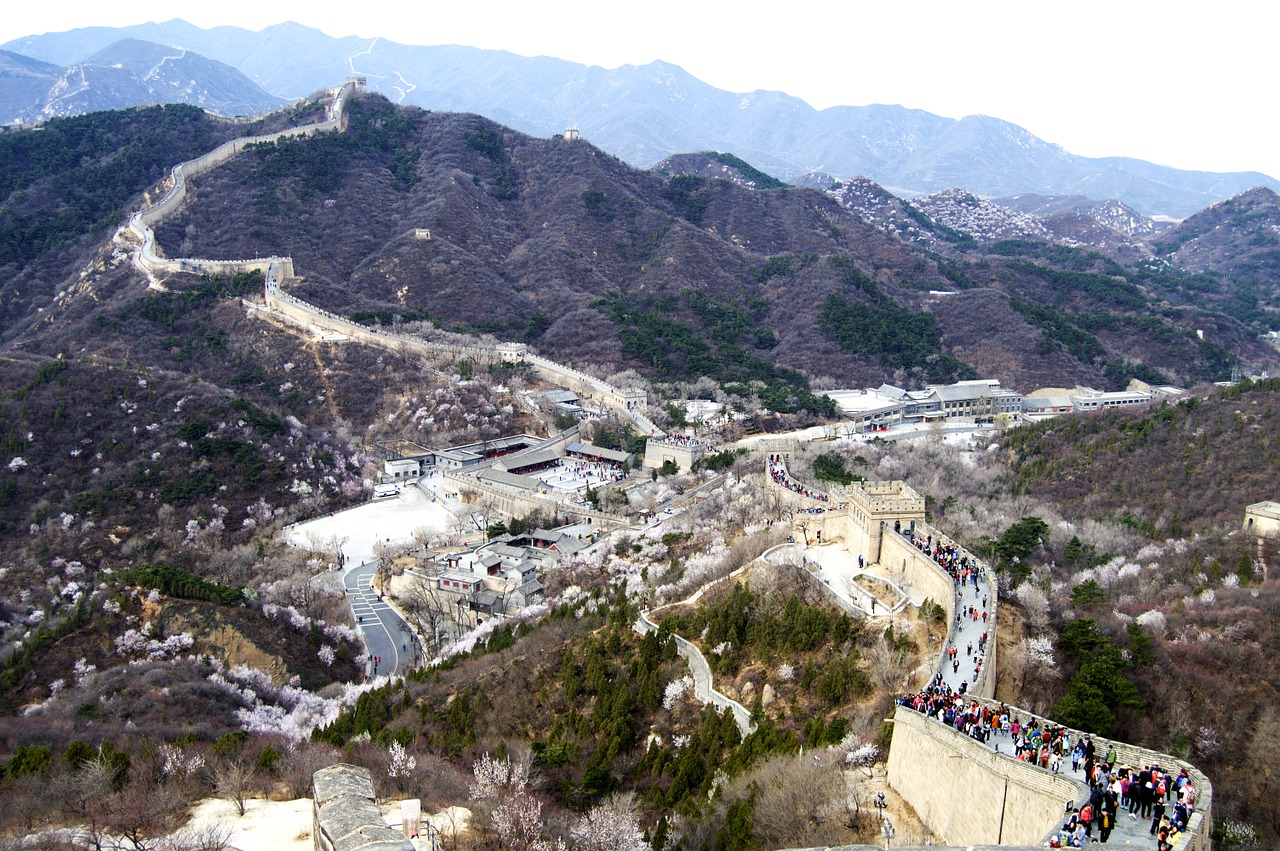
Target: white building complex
pixel 981 402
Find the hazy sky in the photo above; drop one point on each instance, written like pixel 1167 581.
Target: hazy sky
pixel 1183 84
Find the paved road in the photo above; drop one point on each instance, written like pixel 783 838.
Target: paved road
pixel 385 633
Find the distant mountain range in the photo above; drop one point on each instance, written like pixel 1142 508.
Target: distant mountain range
pixel 644 114
pixel 127 72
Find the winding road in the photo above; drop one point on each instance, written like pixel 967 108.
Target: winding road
pixel 386 635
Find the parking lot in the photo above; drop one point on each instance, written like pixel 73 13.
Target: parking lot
pixel 388 519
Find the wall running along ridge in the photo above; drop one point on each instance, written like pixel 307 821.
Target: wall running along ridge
pixel 277 270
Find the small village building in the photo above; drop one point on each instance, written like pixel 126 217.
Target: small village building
pixel 591 452
pixel 486 602
pixel 532 461
pixel 524 484
pixel 402 468
pixel 869 410
pixel 459 582
pixel 547 539
pixel 527 594
pixel 1086 399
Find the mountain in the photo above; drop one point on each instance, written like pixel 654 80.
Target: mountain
pixel 1238 237
pixel 555 243
pixel 718 166
pixel 128 72
pixel 23 83
pixel 1111 213
pixel 158 438
pixel 645 114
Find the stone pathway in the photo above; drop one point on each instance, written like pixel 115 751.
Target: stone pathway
pixel 1128 830
pixel 968 632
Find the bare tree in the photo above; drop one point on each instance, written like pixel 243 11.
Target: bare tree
pixel 25 799
pixel 302 762
pixel 801 801
pixel 386 555
pixel 297 591
pixel 143 812
pixel 210 836
pixel 460 522
pixel 81 796
pixel 231 780
pixel 426 537
pixel 485 511
pixel 890 667
pixel 428 608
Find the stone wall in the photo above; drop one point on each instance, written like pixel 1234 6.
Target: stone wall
pixel 142 222
pixel 279 269
pixel 345 814
pixel 703 682
pixel 657 452
pixel 516 503
pixel 969 795
pixel 1200 825
pixel 309 316
pixel 912 569
pixel 593 388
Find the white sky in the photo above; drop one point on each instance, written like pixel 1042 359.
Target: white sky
pixel 1179 83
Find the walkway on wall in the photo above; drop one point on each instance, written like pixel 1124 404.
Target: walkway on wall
pixel 973 617
pixel 703 687
pixel 977 594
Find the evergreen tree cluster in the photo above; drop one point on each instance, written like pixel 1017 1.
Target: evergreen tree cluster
pixel 899 338
pixel 743 627
pixel 677 350
pixel 77 175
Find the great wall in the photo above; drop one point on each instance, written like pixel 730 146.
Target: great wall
pixel 966 792
pixel 277 271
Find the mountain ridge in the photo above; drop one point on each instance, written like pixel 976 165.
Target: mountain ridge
pixel 645 113
pixel 126 72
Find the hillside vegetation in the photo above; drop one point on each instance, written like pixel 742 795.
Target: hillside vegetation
pixel 162 643
pixel 528 234
pixel 1169 472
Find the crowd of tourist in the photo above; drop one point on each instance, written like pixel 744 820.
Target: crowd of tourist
pixel 964 568
pixel 781 478
pixel 575 475
pixel 977 659
pixel 1161 800
pixel 681 440
pixel 1151 793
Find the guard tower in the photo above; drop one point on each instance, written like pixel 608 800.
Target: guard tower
pixel 1262 521
pixel 512 352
